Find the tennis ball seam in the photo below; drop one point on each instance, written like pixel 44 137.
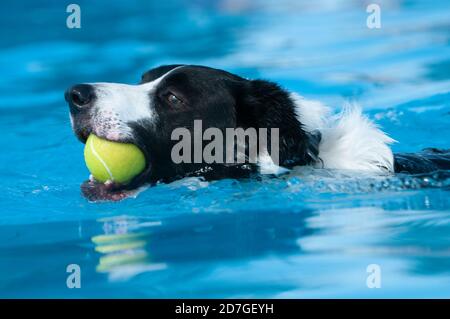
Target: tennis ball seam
pixel 101 160
pixel 113 161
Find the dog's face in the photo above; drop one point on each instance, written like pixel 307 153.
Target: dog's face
pixel 171 97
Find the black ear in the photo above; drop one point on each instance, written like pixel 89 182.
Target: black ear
pixel 263 104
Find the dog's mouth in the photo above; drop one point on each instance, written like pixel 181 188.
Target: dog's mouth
pixel 96 191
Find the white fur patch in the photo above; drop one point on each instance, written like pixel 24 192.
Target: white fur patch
pixel 312 114
pixel 118 104
pixel 352 141
pixel 131 102
pixel 267 166
pixel 349 140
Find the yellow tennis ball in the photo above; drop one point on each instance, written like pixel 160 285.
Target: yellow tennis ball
pixel 118 162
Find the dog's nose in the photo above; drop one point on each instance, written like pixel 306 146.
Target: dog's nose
pixel 80 95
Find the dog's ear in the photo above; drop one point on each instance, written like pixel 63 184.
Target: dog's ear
pixel 264 104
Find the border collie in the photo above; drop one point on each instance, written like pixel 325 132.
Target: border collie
pixel 173 96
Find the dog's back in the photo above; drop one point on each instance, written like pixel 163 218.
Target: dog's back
pixel 428 160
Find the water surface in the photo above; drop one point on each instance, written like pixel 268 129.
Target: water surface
pixel 307 234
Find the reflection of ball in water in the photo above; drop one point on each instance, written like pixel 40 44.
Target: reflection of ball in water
pixel 118 162
pixel 120 250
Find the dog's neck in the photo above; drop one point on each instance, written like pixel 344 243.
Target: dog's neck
pixel 265 105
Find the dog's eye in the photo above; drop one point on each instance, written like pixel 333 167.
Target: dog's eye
pixel 173 99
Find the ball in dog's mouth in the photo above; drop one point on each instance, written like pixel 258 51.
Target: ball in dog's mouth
pixel 113 161
pixel 117 169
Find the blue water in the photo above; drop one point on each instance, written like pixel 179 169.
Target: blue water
pixel 307 234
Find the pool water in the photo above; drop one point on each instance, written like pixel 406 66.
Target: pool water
pixel 310 233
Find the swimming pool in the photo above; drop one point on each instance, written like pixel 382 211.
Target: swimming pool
pixel 311 233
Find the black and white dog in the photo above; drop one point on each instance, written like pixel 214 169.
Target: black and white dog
pixel 173 96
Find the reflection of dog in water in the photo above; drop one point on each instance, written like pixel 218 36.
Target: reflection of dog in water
pixel 123 249
pixel 131 246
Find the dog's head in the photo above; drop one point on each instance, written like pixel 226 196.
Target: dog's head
pixel 174 96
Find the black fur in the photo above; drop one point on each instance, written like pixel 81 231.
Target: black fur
pixel 222 100
pixel 428 160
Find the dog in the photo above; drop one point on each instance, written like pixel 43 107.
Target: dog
pixel 173 96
